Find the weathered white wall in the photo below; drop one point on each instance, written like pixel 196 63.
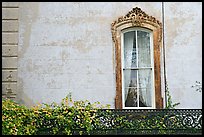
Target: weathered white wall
pixel 183 39
pixel 67 47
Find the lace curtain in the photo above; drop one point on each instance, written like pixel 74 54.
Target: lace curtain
pixel 140 79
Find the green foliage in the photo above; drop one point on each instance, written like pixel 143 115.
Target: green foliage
pixel 71 117
pixel 170 104
pixel 55 119
pixel 17 119
pixel 78 117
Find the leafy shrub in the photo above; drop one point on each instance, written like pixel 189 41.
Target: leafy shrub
pixel 17 119
pixel 79 117
pixel 67 118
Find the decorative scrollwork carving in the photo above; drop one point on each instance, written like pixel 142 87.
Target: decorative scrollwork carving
pixel 137 17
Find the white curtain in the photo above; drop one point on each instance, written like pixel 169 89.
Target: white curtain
pixel 129 61
pixel 145 87
pixel 144 60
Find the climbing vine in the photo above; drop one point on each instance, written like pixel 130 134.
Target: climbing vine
pixel 170 104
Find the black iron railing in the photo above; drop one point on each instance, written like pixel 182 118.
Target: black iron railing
pixel 145 122
pixel 152 121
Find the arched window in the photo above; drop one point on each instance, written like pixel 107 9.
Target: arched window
pixel 137 39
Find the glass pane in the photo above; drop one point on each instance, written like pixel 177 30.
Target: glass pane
pixel 145 84
pixel 130 56
pixel 130 78
pixel 145 78
pixel 130 97
pixel 145 99
pixel 144 58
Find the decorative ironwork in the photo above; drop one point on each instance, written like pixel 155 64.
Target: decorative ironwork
pixel 143 122
pixel 153 121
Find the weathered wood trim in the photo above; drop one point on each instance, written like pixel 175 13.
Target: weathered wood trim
pixel 157 70
pixel 118 100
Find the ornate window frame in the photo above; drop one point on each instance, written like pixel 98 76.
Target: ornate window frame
pixel 137 18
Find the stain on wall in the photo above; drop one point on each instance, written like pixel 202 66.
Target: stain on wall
pixel 68 47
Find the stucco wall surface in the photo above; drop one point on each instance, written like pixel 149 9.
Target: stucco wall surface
pixel 68 47
pixel 183 41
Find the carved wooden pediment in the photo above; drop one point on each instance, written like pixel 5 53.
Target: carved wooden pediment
pixel 137 18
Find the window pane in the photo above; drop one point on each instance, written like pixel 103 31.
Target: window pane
pixel 137 83
pixel 130 56
pixel 130 78
pixel 144 58
pixel 145 84
pixel 145 97
pixel 130 97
